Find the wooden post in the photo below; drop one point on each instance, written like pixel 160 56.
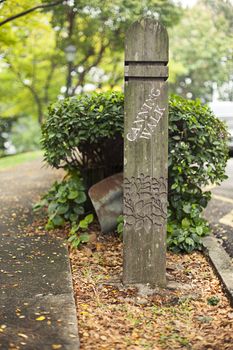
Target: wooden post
pixel 145 153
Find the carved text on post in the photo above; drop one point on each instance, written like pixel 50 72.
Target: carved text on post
pixel 147 118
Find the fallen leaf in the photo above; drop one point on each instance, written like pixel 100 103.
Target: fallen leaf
pixel 56 346
pixel 40 318
pixel 23 335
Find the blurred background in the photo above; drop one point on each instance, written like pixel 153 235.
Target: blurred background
pixel 52 49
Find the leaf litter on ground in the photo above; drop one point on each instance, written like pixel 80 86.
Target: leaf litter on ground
pixel 193 313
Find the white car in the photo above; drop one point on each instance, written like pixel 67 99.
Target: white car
pixel 224 111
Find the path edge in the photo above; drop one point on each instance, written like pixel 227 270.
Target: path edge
pixel 74 306
pixel 221 263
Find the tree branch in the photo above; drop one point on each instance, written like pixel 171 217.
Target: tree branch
pixel 33 92
pixel 48 81
pixel 21 14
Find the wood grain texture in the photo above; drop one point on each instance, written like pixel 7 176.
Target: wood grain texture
pixel 145 153
pixel 152 71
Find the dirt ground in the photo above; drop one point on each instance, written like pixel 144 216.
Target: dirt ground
pixel 193 314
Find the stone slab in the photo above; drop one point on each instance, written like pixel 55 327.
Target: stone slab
pixel 107 199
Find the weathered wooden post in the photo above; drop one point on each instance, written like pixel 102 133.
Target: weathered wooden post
pixel 145 153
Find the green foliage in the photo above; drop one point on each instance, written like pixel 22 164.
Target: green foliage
pixel 25 135
pixel 82 132
pixel 213 301
pixel 78 233
pixel 33 65
pixel 28 61
pixel 93 125
pixel 197 157
pixel 64 202
pixel 120 225
pixel 5 127
pixel 199 63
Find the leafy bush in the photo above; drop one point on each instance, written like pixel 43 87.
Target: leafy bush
pixel 65 203
pixel 197 157
pixel 86 133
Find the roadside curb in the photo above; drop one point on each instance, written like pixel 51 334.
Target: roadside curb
pixel 221 263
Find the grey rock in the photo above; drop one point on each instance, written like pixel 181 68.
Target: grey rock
pixel 107 199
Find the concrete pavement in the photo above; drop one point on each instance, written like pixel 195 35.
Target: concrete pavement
pixel 37 309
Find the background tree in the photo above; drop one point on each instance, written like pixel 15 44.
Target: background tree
pixel 34 36
pixel 201 48
pixel 27 64
pixel 34 61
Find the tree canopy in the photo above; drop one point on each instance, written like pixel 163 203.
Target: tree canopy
pixel 202 48
pixel 35 34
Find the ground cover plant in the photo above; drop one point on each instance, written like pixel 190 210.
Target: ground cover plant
pixel 84 134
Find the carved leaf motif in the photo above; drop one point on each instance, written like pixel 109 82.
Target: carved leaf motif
pixel 139 206
pixel 139 225
pixel 148 224
pixel 145 201
pixel 131 220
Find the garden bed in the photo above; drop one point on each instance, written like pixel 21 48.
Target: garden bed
pixel 193 313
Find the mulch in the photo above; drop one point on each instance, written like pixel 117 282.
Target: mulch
pixel 193 313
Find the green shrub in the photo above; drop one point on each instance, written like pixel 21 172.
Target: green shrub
pixel 65 203
pixel 86 133
pixel 197 157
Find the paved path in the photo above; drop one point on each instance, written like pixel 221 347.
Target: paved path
pixel 37 310
pixel 220 211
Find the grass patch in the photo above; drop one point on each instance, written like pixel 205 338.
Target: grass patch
pixel 11 161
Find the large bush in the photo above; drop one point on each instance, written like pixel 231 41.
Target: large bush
pixel 86 133
pixel 197 157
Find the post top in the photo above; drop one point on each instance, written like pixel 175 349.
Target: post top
pixel 146 41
